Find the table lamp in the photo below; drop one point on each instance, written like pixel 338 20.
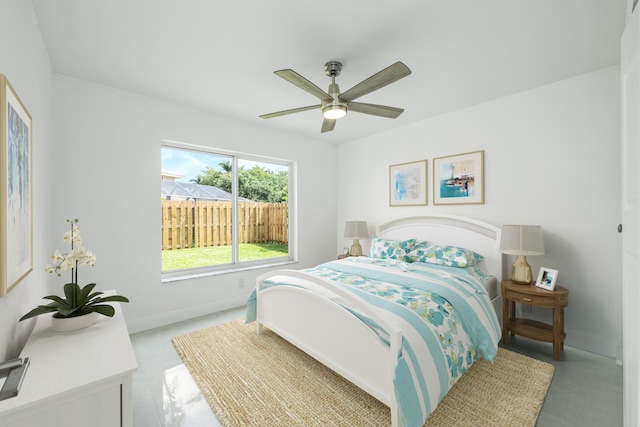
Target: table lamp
pixel 521 240
pixel 356 230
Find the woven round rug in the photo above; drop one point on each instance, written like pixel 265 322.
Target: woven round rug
pixel 262 380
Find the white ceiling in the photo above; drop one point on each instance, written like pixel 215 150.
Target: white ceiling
pixel 220 55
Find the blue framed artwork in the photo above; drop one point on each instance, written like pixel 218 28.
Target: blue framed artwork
pixel 408 184
pixel 16 231
pixel 459 179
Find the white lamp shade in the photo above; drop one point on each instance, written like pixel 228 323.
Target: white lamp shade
pixel 522 240
pixel 356 230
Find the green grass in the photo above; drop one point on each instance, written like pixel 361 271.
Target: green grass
pixel 203 257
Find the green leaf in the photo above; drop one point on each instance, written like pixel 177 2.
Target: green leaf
pixel 111 298
pixel 76 313
pixel 106 310
pixel 67 311
pixel 93 295
pixel 84 297
pixel 57 301
pixel 77 302
pixel 41 309
pixel 71 291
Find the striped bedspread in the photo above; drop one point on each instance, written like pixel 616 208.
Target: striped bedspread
pixel 446 317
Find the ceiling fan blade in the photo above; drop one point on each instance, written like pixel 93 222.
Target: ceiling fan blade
pixel 304 84
pixel 379 80
pixel 374 109
pixel 328 125
pixel 293 110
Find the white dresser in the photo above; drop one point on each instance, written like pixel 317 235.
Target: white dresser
pixel 79 378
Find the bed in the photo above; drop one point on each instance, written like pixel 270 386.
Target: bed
pixel 402 329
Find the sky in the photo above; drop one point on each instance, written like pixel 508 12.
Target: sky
pixel 193 163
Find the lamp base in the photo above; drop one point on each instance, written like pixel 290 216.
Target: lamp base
pixel 356 249
pixel 521 271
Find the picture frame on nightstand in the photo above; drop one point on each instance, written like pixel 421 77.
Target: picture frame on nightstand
pixel 547 278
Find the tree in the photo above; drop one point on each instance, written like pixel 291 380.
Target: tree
pixel 257 184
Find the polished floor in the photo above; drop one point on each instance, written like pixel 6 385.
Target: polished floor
pixel 586 389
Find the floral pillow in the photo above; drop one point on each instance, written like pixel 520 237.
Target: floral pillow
pixel 421 244
pixel 394 249
pixel 451 256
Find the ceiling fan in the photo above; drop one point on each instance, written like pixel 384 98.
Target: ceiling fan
pixel 334 105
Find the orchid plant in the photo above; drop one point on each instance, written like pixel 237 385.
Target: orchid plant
pixel 78 301
pixel 77 256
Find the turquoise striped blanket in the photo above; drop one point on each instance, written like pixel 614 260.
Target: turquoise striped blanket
pixel 445 315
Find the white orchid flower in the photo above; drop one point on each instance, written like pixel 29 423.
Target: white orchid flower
pixel 77 256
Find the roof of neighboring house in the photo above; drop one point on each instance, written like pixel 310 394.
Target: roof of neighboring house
pixel 171 174
pixel 190 190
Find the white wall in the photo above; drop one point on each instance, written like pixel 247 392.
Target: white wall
pixel 24 60
pixel 96 156
pixel 108 156
pixel 552 157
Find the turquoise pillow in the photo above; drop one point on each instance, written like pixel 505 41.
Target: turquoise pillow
pixel 451 256
pixel 393 249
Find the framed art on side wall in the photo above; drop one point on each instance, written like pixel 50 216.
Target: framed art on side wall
pixel 408 184
pixel 459 179
pixel 16 239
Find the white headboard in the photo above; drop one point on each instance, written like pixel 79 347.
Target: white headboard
pixel 451 230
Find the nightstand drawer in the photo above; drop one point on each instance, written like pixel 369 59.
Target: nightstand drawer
pixel 537 300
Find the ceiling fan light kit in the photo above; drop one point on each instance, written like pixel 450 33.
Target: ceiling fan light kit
pixel 335 105
pixel 333 112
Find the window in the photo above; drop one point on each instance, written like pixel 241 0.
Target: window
pixel 223 211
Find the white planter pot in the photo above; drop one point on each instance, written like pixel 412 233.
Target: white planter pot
pixel 73 323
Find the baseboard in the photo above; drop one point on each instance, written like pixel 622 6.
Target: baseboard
pixel 182 314
pixel 603 346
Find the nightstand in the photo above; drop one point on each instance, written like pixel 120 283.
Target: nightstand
pixel 530 294
pixel 343 256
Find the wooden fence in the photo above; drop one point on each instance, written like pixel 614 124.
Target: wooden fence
pixel 189 224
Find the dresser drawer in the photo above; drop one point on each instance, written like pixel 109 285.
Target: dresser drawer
pixel 524 298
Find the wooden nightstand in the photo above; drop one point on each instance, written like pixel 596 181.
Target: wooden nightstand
pixel 530 294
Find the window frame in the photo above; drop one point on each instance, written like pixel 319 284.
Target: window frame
pixel 236 265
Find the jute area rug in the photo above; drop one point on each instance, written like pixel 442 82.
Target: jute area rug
pixel 262 380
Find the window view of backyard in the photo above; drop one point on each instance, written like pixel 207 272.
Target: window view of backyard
pixel 205 224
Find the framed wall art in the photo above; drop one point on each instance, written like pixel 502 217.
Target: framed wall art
pixel 547 278
pixel 16 232
pixel 459 179
pixel 408 184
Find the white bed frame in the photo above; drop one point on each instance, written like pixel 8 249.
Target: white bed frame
pixel 313 322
